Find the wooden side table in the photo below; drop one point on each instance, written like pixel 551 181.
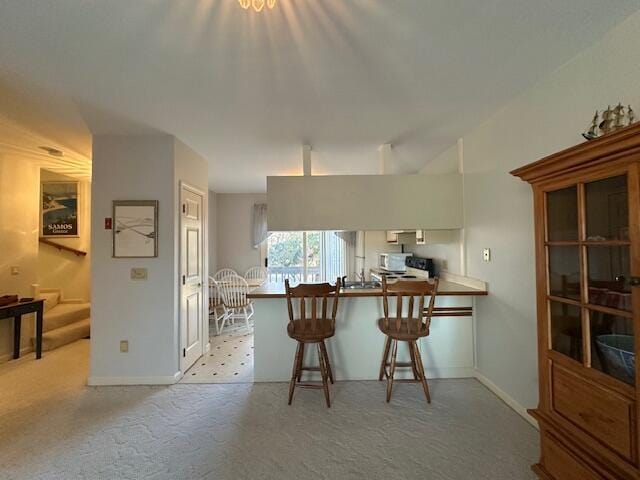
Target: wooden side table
pixel 16 311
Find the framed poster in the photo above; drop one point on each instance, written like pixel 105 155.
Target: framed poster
pixel 59 209
pixel 135 228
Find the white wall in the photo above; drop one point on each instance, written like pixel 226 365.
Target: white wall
pixel 498 207
pixel 234 225
pixel 445 251
pixel 213 232
pixel 143 312
pixel 64 270
pixel 19 207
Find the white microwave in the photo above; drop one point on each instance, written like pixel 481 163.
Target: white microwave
pixel 394 262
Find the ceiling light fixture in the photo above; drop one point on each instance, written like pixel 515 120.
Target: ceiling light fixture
pixel 257 5
pixel 54 152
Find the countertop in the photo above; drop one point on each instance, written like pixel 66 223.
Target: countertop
pixel 445 288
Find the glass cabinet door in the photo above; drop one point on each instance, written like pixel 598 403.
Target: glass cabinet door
pixel 588 250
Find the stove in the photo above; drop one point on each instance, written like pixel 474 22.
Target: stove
pixel 417 268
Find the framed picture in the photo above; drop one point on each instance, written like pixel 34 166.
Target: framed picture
pixel 59 209
pixel 135 228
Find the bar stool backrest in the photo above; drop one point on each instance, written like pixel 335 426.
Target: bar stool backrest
pixel 417 323
pixel 319 321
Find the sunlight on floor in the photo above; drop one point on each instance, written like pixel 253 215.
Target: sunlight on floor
pixel 28 383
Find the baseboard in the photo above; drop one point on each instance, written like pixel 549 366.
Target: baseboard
pixel 449 372
pixel 506 398
pixel 9 356
pixel 432 373
pixel 114 381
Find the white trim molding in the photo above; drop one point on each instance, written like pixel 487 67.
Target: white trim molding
pixel 506 398
pixel 118 381
pixel 9 356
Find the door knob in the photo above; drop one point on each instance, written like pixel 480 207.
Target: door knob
pixel 634 281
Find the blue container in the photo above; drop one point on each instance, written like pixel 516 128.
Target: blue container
pixel 618 356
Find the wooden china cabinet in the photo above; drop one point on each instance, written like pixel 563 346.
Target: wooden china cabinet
pixel 587 229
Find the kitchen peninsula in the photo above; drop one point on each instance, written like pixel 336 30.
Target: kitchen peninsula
pixel 356 348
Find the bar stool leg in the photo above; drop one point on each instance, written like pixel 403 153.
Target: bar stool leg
pixel 300 362
pixel 323 347
pixel 423 378
pixel 393 370
pixel 295 373
pixel 323 372
pixel 385 359
pixel 414 368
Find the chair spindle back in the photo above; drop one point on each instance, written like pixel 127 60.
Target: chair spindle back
pixel 234 290
pixel 215 299
pixel 417 323
pixel 312 292
pixel 257 273
pixel 224 273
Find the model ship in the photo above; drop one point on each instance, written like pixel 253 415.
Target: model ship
pixel 612 119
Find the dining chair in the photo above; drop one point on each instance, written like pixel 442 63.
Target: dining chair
pixel 237 306
pixel 314 330
pixel 256 276
pixel 216 307
pixel 407 328
pixel 223 273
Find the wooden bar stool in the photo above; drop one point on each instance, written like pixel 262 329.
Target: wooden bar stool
pixel 407 328
pixel 312 330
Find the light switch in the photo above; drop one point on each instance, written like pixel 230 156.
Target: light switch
pixel 138 274
pixel 124 346
pixel 486 254
pixel 15 270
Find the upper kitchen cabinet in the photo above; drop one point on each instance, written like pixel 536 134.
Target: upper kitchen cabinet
pixel 422 237
pixel 393 237
pixel 365 202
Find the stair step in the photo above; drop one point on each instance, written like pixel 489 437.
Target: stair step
pixel 51 299
pixel 64 335
pixel 65 314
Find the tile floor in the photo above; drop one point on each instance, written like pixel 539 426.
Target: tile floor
pixel 230 359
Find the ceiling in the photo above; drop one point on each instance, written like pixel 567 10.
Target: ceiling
pixel 17 141
pixel 246 90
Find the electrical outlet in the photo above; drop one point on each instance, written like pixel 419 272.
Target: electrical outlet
pixel 486 254
pixel 15 270
pixel 124 346
pixel 138 274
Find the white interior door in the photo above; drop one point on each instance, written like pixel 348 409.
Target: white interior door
pixel 191 276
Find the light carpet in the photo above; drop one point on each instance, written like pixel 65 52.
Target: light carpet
pixel 53 428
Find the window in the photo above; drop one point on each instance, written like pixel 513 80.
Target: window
pixel 306 256
pixel 589 267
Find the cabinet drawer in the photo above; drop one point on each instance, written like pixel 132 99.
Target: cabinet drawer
pixel 561 464
pixel 603 414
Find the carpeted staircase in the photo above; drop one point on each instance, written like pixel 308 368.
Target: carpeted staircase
pixel 65 321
